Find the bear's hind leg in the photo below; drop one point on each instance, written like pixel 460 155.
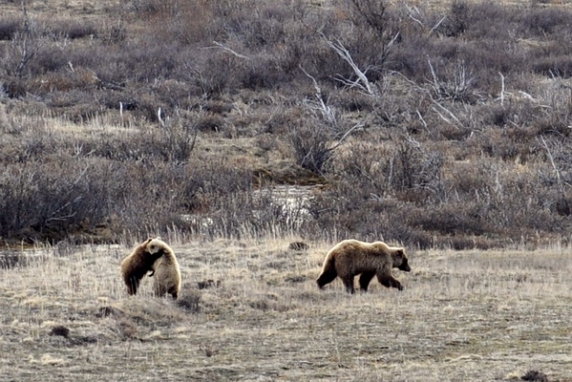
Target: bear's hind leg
pixel 349 284
pixel 173 292
pixel 365 279
pixel 132 285
pixel 159 289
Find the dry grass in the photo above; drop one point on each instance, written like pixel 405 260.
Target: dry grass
pixel 464 316
pixel 250 309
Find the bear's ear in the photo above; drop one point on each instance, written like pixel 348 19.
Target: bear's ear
pixel 400 253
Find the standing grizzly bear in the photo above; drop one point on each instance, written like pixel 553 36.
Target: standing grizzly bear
pixel 136 265
pixel 166 272
pixel 352 257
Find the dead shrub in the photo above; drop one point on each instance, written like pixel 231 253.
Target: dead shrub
pixel 560 66
pixel 534 375
pixel 190 301
pixel 311 147
pixel 457 21
pixel 9 26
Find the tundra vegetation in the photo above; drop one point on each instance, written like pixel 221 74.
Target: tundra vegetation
pixel 442 126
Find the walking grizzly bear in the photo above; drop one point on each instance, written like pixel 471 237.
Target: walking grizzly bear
pixel 165 271
pixel 350 258
pixel 136 265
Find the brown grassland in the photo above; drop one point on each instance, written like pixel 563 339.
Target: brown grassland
pixel 464 316
pixel 234 128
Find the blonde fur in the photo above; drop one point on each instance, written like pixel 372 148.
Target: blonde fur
pixel 350 258
pixel 165 271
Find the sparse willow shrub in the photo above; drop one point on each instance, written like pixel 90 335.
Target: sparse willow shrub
pixel 77 113
pixel 456 218
pixel 260 24
pixel 212 72
pixel 456 21
pixel 547 21
pixel 510 144
pixel 133 147
pixel 173 94
pixel 455 84
pixel 6 124
pixel 486 18
pixel 77 86
pixel 34 147
pixel 173 189
pixel 347 211
pixel 312 146
pixel 511 196
pixel 9 25
pixel 377 25
pixel 186 22
pixel 385 169
pixel 24 46
pixel 209 122
pixel 359 164
pixel 114 33
pixel 70 29
pixel 180 138
pixel 190 300
pixel 117 64
pixel 48 200
pixel 410 58
pixel 248 214
pixel 414 168
pixel 354 101
pixel 560 66
pixel 264 73
pixel 49 58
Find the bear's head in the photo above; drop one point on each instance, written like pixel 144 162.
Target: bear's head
pixel 400 260
pixel 157 247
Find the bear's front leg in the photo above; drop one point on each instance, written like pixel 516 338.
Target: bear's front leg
pixel 132 285
pixel 389 281
pixel 365 279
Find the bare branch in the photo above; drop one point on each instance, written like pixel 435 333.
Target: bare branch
pixel 326 111
pixel 340 141
pixel 502 89
pixel 436 25
pixel 362 82
pixel 448 112
pixel 231 51
pixel 556 170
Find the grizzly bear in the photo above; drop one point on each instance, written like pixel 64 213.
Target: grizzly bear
pixel 165 271
pixel 136 265
pixel 352 257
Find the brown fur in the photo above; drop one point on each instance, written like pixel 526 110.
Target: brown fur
pixel 350 258
pixel 165 271
pixel 136 265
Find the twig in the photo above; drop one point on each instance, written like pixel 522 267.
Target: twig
pixel 436 25
pixel 502 89
pixel 448 112
pixel 558 180
pixel 231 51
pixel 339 48
pixel 347 133
pixel 327 112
